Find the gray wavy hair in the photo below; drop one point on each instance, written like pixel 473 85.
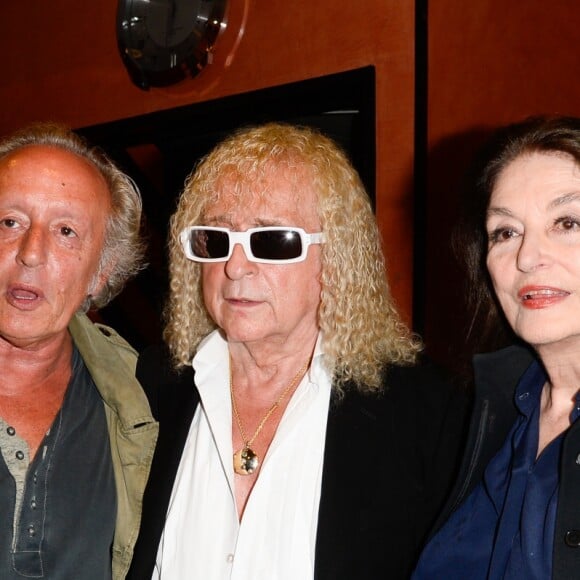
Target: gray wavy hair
pixel 361 327
pixel 123 248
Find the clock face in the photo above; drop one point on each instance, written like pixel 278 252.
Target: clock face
pixel 163 41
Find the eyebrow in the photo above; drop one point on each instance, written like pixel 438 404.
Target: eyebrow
pixel 564 199
pixel 503 211
pixel 215 219
pixel 228 219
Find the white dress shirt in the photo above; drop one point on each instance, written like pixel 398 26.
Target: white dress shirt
pixel 203 537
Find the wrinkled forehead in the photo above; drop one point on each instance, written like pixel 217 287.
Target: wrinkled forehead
pixel 49 164
pixel 283 184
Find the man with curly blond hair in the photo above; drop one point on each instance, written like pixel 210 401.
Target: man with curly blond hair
pixel 299 438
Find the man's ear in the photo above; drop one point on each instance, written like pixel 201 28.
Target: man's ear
pixel 101 278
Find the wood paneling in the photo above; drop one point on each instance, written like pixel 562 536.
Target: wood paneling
pixel 491 62
pixel 61 63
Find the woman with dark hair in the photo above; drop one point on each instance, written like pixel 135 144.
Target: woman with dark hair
pixel 515 510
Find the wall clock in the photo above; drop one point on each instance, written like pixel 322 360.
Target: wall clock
pixel 164 41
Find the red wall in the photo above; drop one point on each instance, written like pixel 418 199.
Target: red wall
pixel 491 62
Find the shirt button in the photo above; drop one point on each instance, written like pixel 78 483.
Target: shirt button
pixel 31 531
pixel 33 503
pixel 19 455
pixel 11 431
pixel 230 558
pixel 572 538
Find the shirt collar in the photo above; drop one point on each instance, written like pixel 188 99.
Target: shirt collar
pixel 211 361
pixel 529 391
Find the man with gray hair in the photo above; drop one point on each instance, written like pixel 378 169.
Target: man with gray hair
pixel 76 432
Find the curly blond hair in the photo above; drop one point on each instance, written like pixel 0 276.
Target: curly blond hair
pixel 361 327
pixel 124 249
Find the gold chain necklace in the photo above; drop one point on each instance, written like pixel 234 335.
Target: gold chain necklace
pixel 246 461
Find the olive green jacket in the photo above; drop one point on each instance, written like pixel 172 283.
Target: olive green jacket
pixel 132 429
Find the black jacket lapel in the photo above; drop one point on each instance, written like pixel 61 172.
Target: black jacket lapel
pixel 173 406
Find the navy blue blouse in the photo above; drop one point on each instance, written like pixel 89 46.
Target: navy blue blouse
pixel 505 528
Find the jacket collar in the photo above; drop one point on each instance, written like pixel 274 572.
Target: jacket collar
pixel 500 371
pixel 111 361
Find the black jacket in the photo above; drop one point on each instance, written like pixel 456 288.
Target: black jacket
pixel 388 464
pixel 496 378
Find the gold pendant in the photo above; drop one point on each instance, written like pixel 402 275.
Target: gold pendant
pixel 245 461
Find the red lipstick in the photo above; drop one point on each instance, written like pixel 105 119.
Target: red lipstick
pixel 536 297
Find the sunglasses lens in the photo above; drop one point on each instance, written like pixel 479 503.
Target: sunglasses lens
pixel 209 244
pixel 276 245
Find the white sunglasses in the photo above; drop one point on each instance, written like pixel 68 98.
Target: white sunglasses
pixel 265 245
